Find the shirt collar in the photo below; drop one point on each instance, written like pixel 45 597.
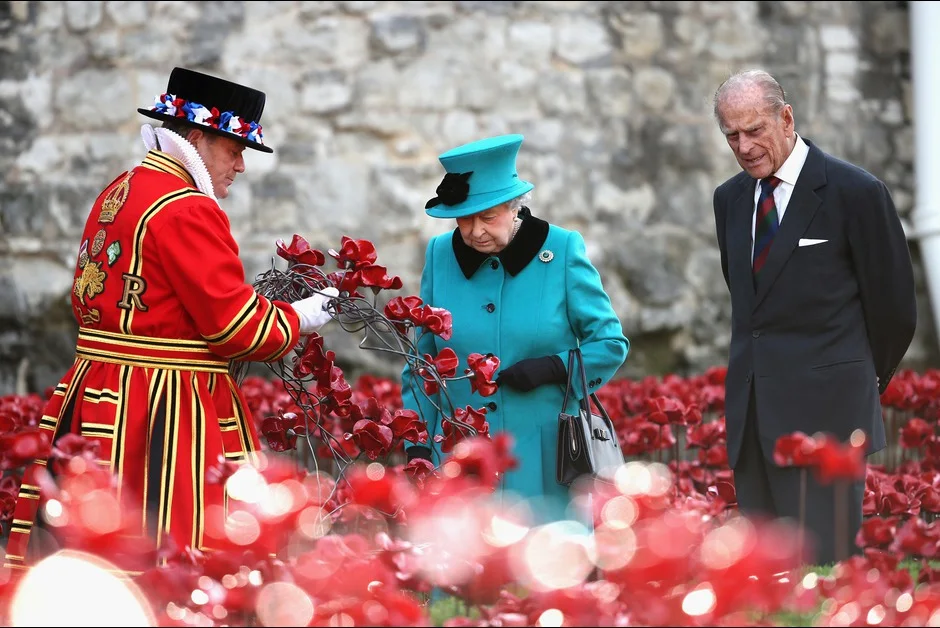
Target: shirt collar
pixel 790 170
pixel 517 254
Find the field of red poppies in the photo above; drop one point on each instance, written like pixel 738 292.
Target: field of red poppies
pixel 361 538
pixel 366 547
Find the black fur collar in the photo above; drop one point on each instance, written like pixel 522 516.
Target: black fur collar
pixel 522 250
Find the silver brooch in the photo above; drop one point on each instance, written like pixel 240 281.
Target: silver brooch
pixel 546 256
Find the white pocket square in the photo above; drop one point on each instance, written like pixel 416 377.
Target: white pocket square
pixel 810 241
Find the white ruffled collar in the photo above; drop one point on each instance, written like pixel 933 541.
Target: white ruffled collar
pixel 173 144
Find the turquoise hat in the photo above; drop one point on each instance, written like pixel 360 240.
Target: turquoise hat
pixel 480 175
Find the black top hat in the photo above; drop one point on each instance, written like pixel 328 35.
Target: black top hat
pixel 213 105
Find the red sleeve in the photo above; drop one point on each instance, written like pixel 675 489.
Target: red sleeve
pixel 200 256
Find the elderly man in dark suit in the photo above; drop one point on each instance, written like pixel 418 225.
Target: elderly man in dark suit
pixel 822 301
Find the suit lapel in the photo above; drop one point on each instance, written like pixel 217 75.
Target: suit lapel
pixel 801 207
pixel 739 246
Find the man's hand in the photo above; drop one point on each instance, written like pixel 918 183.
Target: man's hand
pixel 313 310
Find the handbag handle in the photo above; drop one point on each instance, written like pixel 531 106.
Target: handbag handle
pixel 584 403
pixel 564 404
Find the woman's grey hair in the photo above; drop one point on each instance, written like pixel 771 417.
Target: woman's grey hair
pixel 774 97
pixel 519 201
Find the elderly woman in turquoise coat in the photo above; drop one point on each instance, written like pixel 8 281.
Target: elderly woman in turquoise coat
pixel 524 290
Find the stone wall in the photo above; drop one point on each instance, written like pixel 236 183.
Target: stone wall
pixel 614 99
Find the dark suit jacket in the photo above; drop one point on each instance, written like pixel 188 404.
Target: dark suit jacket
pixel 823 320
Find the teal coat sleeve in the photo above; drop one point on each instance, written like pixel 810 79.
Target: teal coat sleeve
pixel 412 386
pixel 592 318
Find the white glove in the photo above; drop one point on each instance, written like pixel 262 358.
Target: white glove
pixel 312 310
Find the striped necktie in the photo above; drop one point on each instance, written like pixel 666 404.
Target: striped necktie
pixel 766 225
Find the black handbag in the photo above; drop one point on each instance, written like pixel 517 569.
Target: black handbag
pixel 587 442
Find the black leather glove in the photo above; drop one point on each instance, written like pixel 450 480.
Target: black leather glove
pixel 528 374
pixel 418 451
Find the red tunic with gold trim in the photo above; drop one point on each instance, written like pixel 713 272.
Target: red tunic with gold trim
pixel 163 307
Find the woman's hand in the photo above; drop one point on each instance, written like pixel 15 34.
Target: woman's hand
pixel 529 374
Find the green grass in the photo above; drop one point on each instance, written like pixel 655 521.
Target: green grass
pixel 449 607
pixel 442 610
pixel 795 619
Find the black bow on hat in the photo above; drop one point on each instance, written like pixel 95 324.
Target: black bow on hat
pixel 453 190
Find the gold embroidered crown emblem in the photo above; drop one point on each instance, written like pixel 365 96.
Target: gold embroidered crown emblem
pixel 115 200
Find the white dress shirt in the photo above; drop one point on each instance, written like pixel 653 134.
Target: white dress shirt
pixel 788 174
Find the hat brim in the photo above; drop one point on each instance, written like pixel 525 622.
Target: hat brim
pixel 477 203
pixel 206 129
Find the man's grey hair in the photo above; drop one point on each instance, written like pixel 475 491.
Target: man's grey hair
pixel 774 97
pixel 183 130
pixel 180 128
